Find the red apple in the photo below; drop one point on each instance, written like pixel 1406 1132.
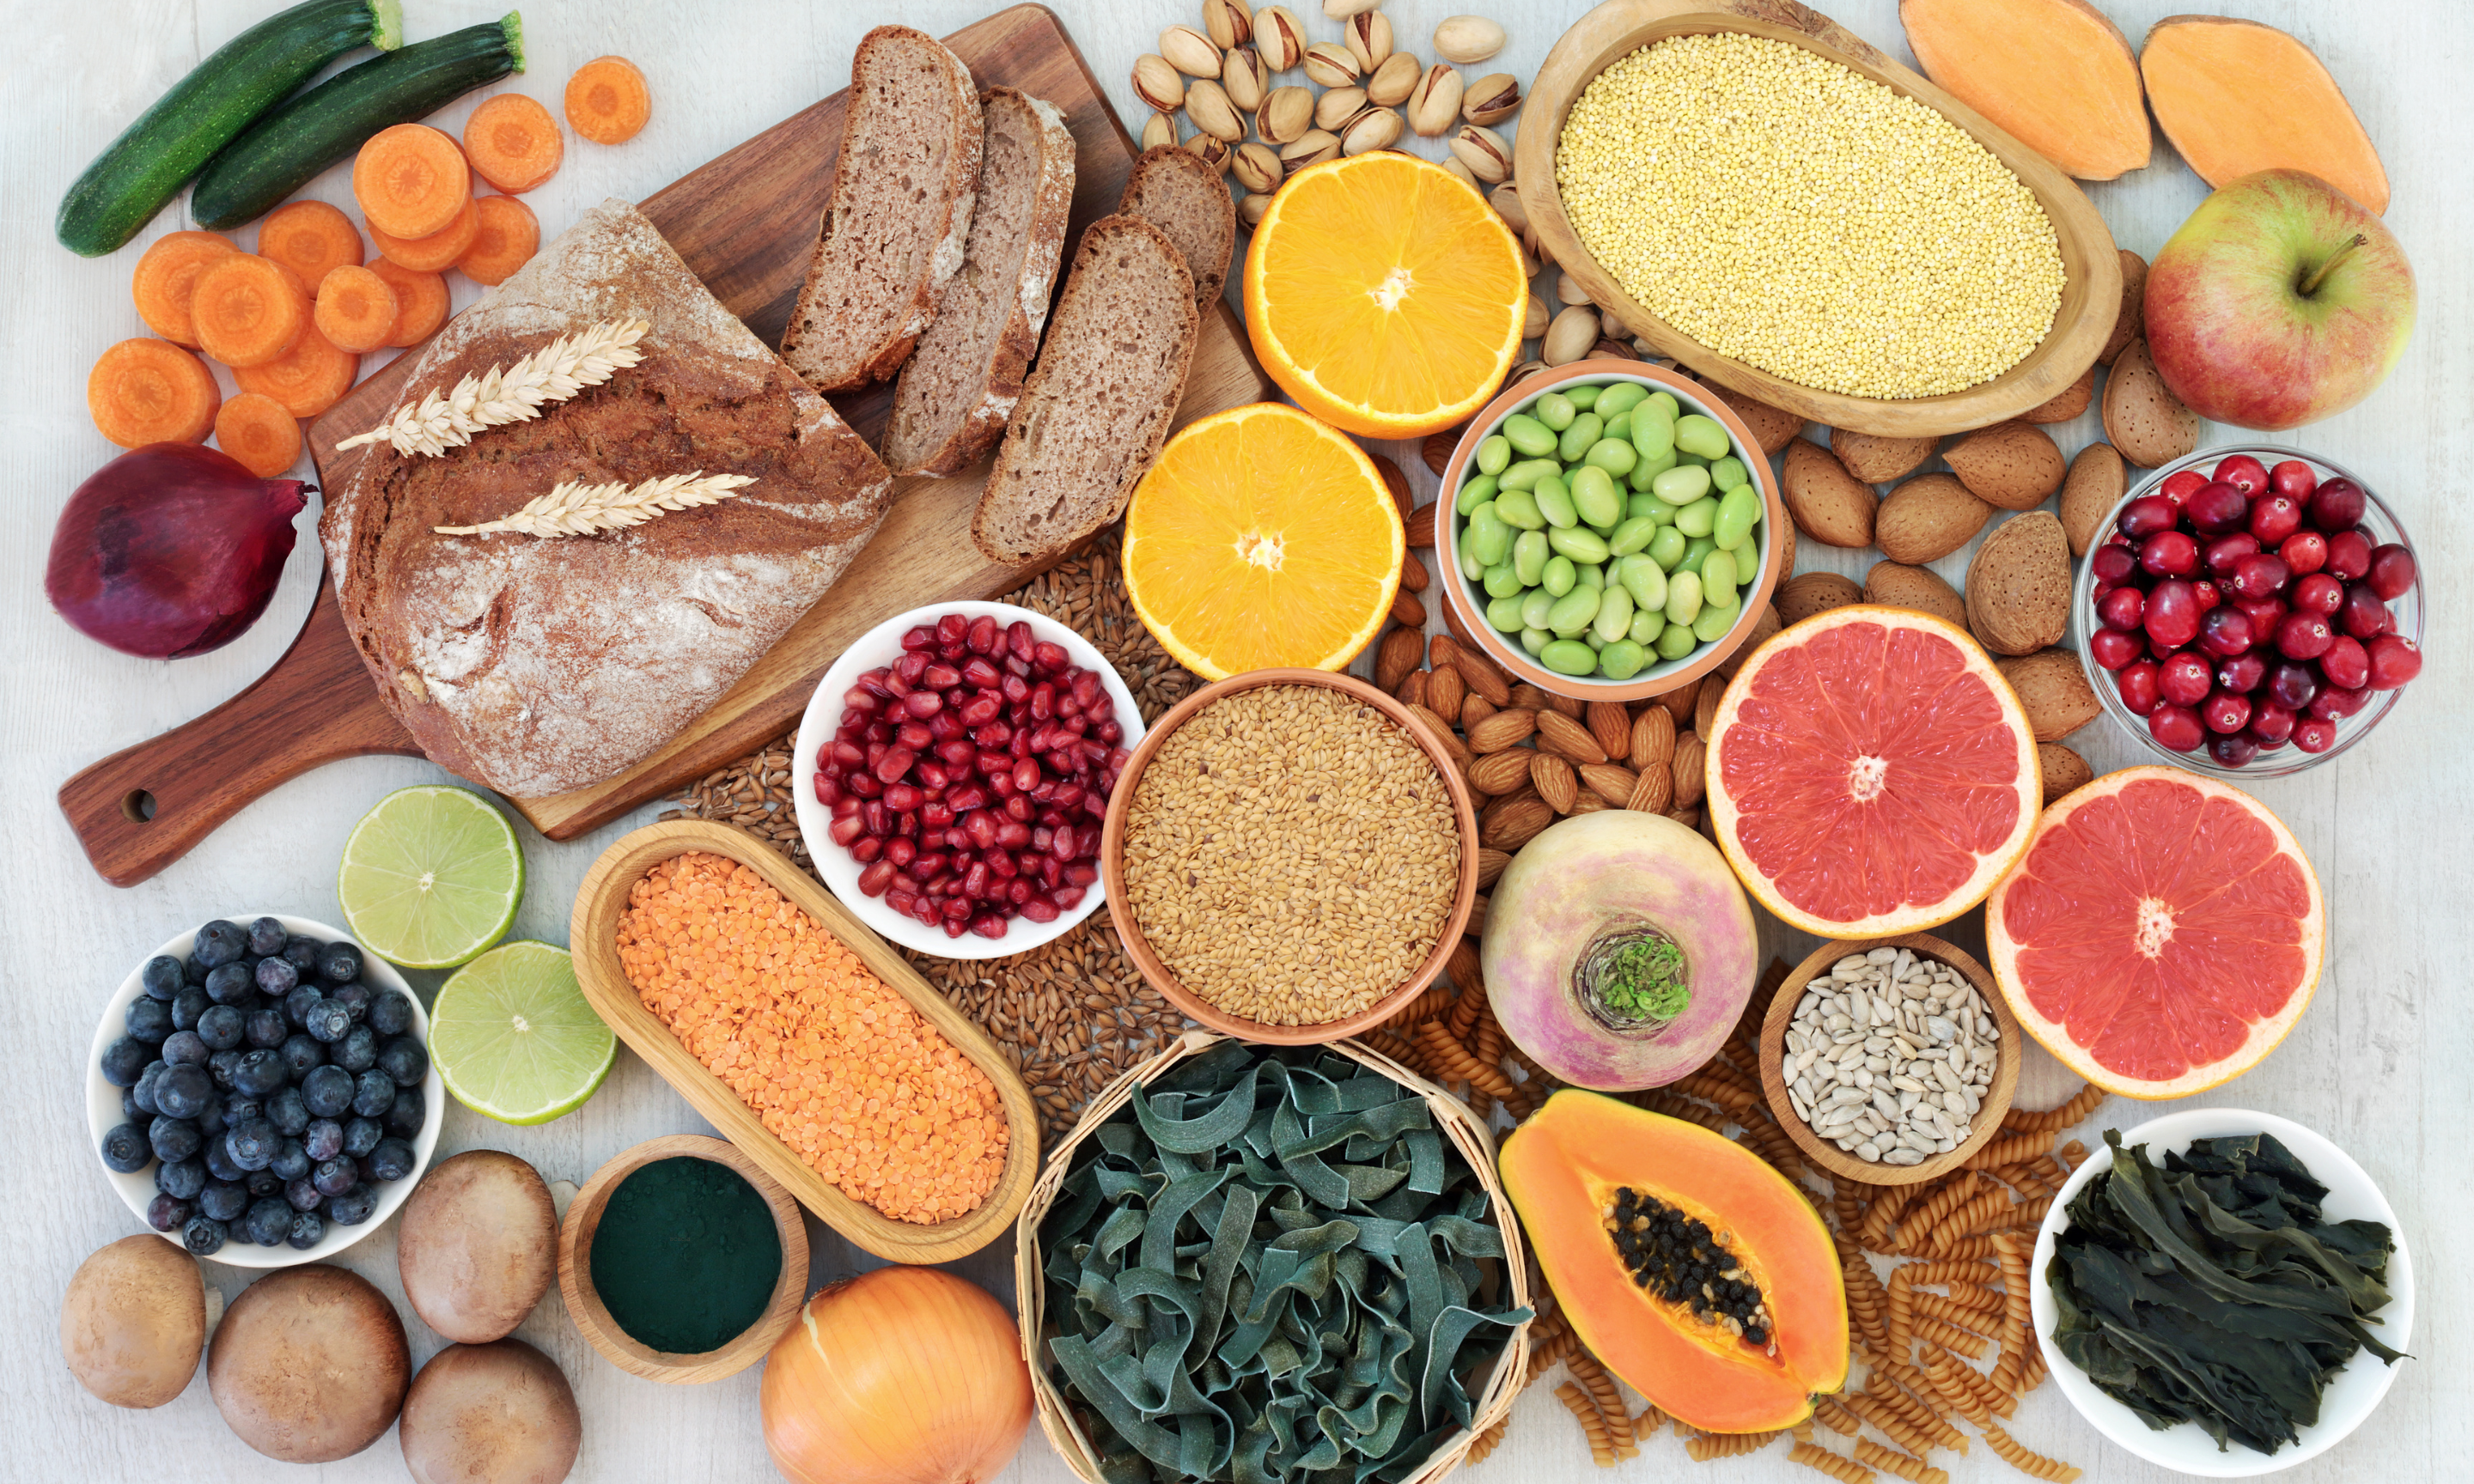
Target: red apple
pixel 2279 303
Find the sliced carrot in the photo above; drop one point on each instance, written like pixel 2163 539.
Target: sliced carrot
pixel 510 235
pixel 437 251
pixel 312 378
pixel 312 239
pixel 250 310
pixel 513 142
pixel 168 274
pixel 356 309
pixel 607 102
pixel 411 181
pixel 421 301
pixel 261 432
pixel 145 392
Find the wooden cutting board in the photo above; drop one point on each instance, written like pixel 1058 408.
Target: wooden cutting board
pixel 744 222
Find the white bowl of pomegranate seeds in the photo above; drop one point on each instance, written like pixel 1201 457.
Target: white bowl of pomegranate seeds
pixel 952 774
pixel 2249 611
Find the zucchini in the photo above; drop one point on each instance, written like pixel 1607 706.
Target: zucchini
pixel 223 95
pixel 283 150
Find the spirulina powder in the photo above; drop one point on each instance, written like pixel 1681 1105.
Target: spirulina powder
pixel 686 1256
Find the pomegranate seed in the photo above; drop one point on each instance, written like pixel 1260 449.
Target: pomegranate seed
pixel 2336 505
pixel 956 928
pixel 2217 507
pixel 1081 873
pixel 868 848
pixel 1026 776
pixel 967 797
pixel 1020 745
pixel 2233 751
pixel 1003 862
pixel 863 784
pixel 1050 655
pixel 2312 733
pixel 1052 870
pixel 2293 478
pixel 895 763
pixel 935 814
pixel 910 666
pixel 2136 685
pixel 983 634
pixel 914 737
pixel 902 796
pixel 2147 516
pixel 846 829
pixel 877 682
pixel 980 710
pixel 923 703
pixel 2273 517
pixel 2349 555
pixel 2395 659
pixel 934 776
pixel 829 788
pixel 2112 648
pixel 847 805
pixel 1066 898
pixel 2177 728
pixel 1111 732
pixel 2225 713
pixel 922 637
pixel 902 851
pixel 1018 641
pixel 1039 909
pixel 1020 891
pixel 1017 807
pixel 989 924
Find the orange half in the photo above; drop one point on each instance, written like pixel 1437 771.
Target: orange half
pixel 1262 539
pixel 1385 295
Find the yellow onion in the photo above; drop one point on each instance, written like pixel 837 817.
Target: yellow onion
pixel 903 1376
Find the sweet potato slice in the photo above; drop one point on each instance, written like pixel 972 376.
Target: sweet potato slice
pixel 2235 96
pixel 2055 74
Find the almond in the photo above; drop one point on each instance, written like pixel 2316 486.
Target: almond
pixel 1437 452
pixel 1765 624
pixel 1653 790
pixel 2145 420
pixel 1827 503
pixel 1443 733
pixel 2063 769
pixel 1530 696
pixel 1552 777
pixel 1413 572
pixel 1705 710
pixel 1474 709
pixel 1570 706
pixel 1500 773
pixel 2013 465
pixel 1396 658
pixel 1611 781
pixel 1877 460
pixel 1481 674
pixel 2018 585
pixel 2053 686
pixel 1444 691
pixel 2130 322
pixel 1785 536
pixel 1589 802
pixel 1412 690
pixel 2067 403
pixel 2096 483
pixel 1420 526
pixel 1561 733
pixel 1921 588
pixel 1516 823
pixel 1816 593
pixel 1679 703
pixel 1612 724
pixel 1771 427
pixel 1502 729
pixel 1489 870
pixel 1686 771
pixel 1926 518
pixel 1653 739
pixel 1439 649
pixel 1394 482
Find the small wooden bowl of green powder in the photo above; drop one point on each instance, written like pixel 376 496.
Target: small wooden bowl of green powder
pixel 682 1261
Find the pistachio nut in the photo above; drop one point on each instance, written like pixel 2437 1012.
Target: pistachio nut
pixel 1461 173
pixel 1280 37
pixel 1211 151
pixel 1536 247
pixel 1492 99
pixel 1484 151
pixel 1570 336
pixel 1374 128
pixel 1535 324
pixel 1436 101
pixel 1391 84
pixel 1467 39
pixel 1330 64
pixel 1251 209
pixel 1647 352
pixel 1370 39
pixel 1158 84
pixel 1506 201
pixel 1287 113
pixel 1257 167
pixel 1228 21
pixel 1160 128
pixel 1528 246
pixel 1311 148
pixel 1342 10
pixel 1614 350
pixel 1207 106
pixel 1243 78
pixel 1612 327
pixel 1190 51
pixel 1524 371
pixel 1568 291
pixel 1337 107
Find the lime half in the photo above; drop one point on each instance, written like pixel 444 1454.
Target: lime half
pixel 513 1037
pixel 432 876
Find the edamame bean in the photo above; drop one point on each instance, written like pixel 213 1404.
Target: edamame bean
pixel 1588 575
pixel 1675 642
pixel 1615 455
pixel 1534 641
pixel 1579 543
pixel 1529 438
pixel 1680 485
pixel 1503 582
pixel 1695 552
pixel 1476 492
pixel 1527 472
pixel 1645 580
pixel 1614 615
pixel 1470 566
pixel 1494 454
pixel 1653 438
pixel 1555 411
pixel 1683 598
pixel 1619 426
pixel 1553 502
pixel 1703 436
pixel 1662 404
pixel 1534 605
pixel 1718 578
pixel 1593 496
pixel 1699 518
pixel 1503 614
pixel 1622 660
pixel 1583 397
pixel 1487 536
pixel 1518 508
pixel 1529 554
pixel 1568 656
pixel 1650 507
pixel 1573 612
pixel 1647 624
pixel 1631 536
pixel 1667 547
pixel 1645 472
pixel 1728 473
pixel 1620 396
pixel 1585 429
pixel 1714 622
pixel 1696 460
pixel 1738 510
pixel 1590 637
pixel 1560 575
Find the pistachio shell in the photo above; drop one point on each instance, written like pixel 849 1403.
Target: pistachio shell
pixel 1280 37
pixel 1159 131
pixel 1258 168
pixel 1484 151
pixel 1286 114
pixel 1374 128
pixel 1311 148
pixel 1158 84
pixel 1369 39
pixel 1570 336
pixel 1467 39
pixel 1434 102
pixel 1228 21
pixel 1207 106
pixel 1337 107
pixel 1243 78
pixel 1190 51
pixel 1391 83
pixel 1492 98
pixel 1568 291
pixel 1331 64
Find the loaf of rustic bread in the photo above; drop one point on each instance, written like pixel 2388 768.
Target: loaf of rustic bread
pixel 1177 192
pixel 897 215
pixel 536 664
pixel 1096 407
pixel 962 378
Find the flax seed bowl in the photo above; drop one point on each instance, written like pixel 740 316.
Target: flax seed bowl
pixel 1759 194
pixel 1290 856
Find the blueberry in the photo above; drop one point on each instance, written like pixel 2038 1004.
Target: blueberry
pixel 223 1200
pixel 403 1060
pixel 240 1107
pixel 259 1073
pixel 173 1139
pixel 125 1150
pixel 229 982
pixel 183 1090
pixel 267 936
pixel 334 1176
pixel 303 1054
pixel 339 963
pixel 277 976
pixel 204 1236
pixel 304 1195
pixel 149 1020
pixel 354 1206
pixel 221 1064
pixel 302 954
pixel 264 1028
pixel 186 1048
pixel 373 1093
pixel 328 1021
pixel 354 997
pixel 361 1135
pixel 291 1161
pixel 263 1183
pixel 391 1160
pixel 125 1061
pixel 221 1026
pixel 130 1112
pixel 268 1221
pixel 285 1110
pixel 298 1004
pixel 357 1052
pixel 165 1213
pixel 219 943
pixel 218 1159
pixel 193 971
pixel 160 977
pixel 323 1138
pixel 326 1092
pixel 211 1121
pixel 187 1006
pixel 405 1119
pixel 253 1143
pixel 182 1180
pixel 390 1014
pixel 141 1092
pixel 307 1230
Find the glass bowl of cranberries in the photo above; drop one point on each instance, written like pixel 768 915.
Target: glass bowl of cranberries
pixel 2250 610
pixel 954 767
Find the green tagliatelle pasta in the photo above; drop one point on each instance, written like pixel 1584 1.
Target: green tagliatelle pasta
pixel 1265 1268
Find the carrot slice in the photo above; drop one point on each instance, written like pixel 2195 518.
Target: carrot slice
pixel 435 252
pixel 607 102
pixel 513 142
pixel 145 392
pixel 356 309
pixel 421 301
pixel 250 310
pixel 312 239
pixel 261 432
pixel 167 275
pixel 411 181
pixel 312 378
pixel 510 235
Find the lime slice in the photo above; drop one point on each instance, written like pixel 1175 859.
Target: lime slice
pixel 513 1037
pixel 432 876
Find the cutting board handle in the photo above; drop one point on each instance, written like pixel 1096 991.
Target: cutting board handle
pixel 143 807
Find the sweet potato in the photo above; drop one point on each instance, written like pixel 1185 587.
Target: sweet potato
pixel 2053 73
pixel 2236 96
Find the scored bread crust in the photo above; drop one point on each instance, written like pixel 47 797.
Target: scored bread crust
pixel 1178 191
pixel 1000 378
pixel 806 342
pixel 536 665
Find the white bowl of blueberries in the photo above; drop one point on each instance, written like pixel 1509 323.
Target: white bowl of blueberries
pixel 261 1092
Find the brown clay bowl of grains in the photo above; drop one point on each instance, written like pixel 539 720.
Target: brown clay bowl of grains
pixel 1290 856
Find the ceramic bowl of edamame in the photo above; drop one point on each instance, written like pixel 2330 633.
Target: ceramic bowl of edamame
pixel 1607 531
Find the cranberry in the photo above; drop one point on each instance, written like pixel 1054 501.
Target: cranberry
pixel 2225 711
pixel 2272 724
pixel 2302 635
pixel 2304 551
pixel 2347 664
pixel 2265 614
pixel 2334 704
pixel 2180 487
pixel 2208 595
pixel 2169 554
pixel 2292 685
pixel 2232 751
pixel 2136 685
pixel 2225 632
pixel 2349 555
pixel 2395 659
pixel 2261 576
pixel 2113 563
pixel 2273 517
pixel 2147 516
pixel 2242 673
pixel 2172 616
pixel 2220 555
pixel 2184 680
pixel 2314 734
pixel 2113 648
pixel 2243 473
pixel 2362 614
pixel 2217 507
pixel 2336 505
pixel 2293 478
pixel 2391 571
pixel 2121 608
pixel 2177 728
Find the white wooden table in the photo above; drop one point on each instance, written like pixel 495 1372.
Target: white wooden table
pixel 2376 1065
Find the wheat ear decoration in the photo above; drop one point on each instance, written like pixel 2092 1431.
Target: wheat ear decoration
pixel 513 394
pixel 589 510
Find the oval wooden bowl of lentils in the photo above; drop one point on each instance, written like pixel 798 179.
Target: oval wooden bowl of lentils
pixel 1301 864
pixel 1923 218
pixel 1927 1005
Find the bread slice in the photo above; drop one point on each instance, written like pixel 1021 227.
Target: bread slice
pixel 897 215
pixel 1098 405
pixel 1175 191
pixel 963 377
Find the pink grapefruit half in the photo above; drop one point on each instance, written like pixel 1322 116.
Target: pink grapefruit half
pixel 1871 773
pixel 2163 934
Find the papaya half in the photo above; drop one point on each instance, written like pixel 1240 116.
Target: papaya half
pixel 1685 1264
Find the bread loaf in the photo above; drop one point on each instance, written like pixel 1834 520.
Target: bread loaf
pixel 1176 191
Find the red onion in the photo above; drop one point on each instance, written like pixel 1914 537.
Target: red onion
pixel 170 550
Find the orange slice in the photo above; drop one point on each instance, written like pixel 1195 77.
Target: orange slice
pixel 1262 539
pixel 1385 295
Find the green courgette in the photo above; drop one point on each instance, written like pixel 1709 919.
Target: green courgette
pixel 283 150
pixel 223 95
